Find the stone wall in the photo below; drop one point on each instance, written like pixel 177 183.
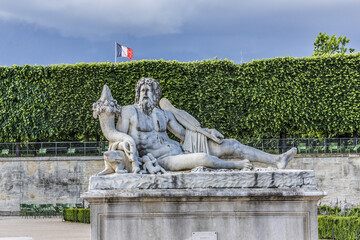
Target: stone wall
pixel 44 180
pixel 338 175
pixel 63 179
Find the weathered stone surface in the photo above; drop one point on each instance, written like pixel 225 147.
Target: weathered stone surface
pixel 25 180
pixel 203 180
pixel 99 196
pixel 338 175
pixel 234 213
pixel 44 180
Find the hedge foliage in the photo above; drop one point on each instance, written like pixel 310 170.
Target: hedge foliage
pixel 77 215
pixel 272 98
pixel 339 211
pixel 344 227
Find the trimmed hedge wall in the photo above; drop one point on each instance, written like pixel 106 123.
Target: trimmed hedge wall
pixel 272 98
pixel 77 215
pixel 344 227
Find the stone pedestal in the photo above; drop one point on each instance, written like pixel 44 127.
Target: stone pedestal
pixel 190 206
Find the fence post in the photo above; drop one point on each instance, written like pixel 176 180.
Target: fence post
pixel 340 144
pixel 325 145
pixel 100 149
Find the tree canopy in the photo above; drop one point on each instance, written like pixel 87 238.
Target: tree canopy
pixel 324 44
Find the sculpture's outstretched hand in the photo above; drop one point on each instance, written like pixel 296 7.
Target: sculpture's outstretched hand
pixel 216 134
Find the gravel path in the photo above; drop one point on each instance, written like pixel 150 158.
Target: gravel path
pixel 42 229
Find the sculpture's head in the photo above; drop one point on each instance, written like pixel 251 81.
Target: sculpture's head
pixel 147 94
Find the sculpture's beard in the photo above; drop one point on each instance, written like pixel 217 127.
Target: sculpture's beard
pixel 147 105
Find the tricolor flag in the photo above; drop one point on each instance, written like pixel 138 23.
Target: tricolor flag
pixel 122 51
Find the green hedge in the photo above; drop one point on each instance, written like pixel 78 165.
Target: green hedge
pixel 344 227
pixel 272 98
pixel 347 211
pixel 77 215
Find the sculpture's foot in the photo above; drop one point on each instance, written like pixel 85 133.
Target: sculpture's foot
pixel 285 158
pixel 135 170
pixel 121 171
pixel 241 164
pixel 106 171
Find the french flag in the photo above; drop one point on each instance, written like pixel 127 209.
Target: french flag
pixel 122 51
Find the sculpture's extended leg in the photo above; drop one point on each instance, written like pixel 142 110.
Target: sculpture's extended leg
pixel 192 160
pixel 233 148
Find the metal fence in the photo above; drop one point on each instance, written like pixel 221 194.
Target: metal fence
pixel 275 146
pixel 31 149
pixel 306 145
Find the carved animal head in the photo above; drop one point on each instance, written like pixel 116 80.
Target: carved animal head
pixel 113 157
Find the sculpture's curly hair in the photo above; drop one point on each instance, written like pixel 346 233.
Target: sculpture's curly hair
pixel 155 87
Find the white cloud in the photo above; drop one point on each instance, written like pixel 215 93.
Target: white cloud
pixel 94 18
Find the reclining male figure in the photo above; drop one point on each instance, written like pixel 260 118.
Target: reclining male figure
pixel 147 123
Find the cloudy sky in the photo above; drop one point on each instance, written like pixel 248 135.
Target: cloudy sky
pixel 46 32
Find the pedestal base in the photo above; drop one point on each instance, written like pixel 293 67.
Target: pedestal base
pixel 205 213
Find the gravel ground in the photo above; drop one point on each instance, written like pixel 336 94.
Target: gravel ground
pixel 42 229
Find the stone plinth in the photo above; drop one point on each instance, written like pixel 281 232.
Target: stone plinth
pixel 227 205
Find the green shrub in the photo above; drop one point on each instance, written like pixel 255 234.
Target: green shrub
pixel 69 214
pixel 83 215
pixel 77 215
pixel 344 227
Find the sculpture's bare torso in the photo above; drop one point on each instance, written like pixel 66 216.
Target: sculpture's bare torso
pixel 149 132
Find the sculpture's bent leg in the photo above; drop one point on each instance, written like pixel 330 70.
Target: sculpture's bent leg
pixel 192 160
pixel 233 148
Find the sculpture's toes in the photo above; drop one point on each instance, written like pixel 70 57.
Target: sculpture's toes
pixel 247 164
pixel 244 164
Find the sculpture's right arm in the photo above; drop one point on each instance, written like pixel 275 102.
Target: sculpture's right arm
pixel 123 124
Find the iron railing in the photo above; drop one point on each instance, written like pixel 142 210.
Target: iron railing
pixel 31 149
pixel 275 146
pixel 306 145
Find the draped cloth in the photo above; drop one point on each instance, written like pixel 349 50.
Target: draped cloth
pixel 195 142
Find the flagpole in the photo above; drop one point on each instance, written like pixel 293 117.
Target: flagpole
pixel 115 52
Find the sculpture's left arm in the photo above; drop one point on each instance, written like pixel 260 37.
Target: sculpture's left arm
pixel 174 127
pixel 123 124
